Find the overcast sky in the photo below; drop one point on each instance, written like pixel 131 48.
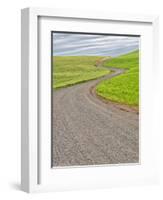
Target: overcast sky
pixel 67 44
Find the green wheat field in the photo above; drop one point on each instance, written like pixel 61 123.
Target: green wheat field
pixel 70 70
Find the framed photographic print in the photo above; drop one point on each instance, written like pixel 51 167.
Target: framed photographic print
pixel 88 117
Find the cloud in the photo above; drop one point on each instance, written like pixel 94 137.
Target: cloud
pixel 69 44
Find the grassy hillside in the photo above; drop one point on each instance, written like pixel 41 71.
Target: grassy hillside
pixel 69 70
pixel 123 88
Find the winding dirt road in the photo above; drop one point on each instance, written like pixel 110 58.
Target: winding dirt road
pixel 88 131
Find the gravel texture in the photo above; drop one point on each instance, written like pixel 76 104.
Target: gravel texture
pixel 88 131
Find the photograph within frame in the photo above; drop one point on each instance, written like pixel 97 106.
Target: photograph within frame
pixel 95 80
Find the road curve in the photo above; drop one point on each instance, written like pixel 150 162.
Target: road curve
pixel 87 131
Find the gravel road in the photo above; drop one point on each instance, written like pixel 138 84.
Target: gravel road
pixel 88 131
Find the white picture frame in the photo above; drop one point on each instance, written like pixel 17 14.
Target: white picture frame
pixel 36 172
